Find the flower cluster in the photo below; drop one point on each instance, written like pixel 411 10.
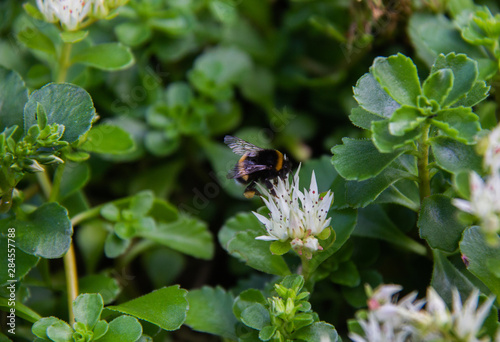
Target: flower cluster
pixel 71 13
pixel 296 216
pixel 485 195
pixel 407 320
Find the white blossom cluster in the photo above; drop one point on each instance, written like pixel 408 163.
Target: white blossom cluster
pixel 389 320
pixel 298 216
pixel 485 194
pixel 71 13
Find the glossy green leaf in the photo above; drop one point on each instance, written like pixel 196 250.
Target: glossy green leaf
pixel 108 139
pixel 360 159
pixel 186 235
pixel 104 285
pixel 107 56
pixel 13 96
pixel 123 329
pixel 445 277
pixel 479 92
pixel 256 316
pixel 373 222
pixel 389 143
pixel 465 74
pixel 133 33
pixel 60 332
pixel 45 232
pixel 405 119
pixel 479 255
pixel 317 332
pixel 247 298
pixel 458 123
pixel 280 247
pixel 74 177
pixel 256 253
pixel 40 327
pixel 438 85
pixel 165 307
pixel 439 224
pixel 65 104
pixel 454 156
pixel 210 311
pixel 36 40
pixel 343 223
pixel 360 194
pixel 24 262
pixel 373 98
pixel 87 309
pixel 397 75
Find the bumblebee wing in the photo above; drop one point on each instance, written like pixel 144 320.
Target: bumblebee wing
pixel 244 170
pixel 241 147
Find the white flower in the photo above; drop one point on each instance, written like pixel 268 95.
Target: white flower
pixel 295 215
pixel 492 153
pixel 69 12
pixel 405 320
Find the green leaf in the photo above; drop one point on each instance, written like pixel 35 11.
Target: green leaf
pixel 210 311
pixel 280 247
pixel 108 139
pixel 267 332
pixel 439 224
pixel 360 159
pixel 317 332
pixel 256 254
pixel 404 120
pixel 478 93
pixel 343 223
pixel 87 309
pixel 245 299
pixel 360 194
pixel 100 329
pixel 458 123
pixel 398 76
pixel 373 222
pixel 46 232
pixel 372 98
pixel 114 246
pixel 60 332
pixel 123 329
pixel 108 56
pixel 36 40
pixel 40 327
pixel 133 33
pixel 438 85
pixel 74 177
pixel 356 296
pixel 165 307
pixel 445 277
pixel 73 36
pixel 479 255
pixel 363 118
pixel 465 74
pixel 13 97
pixel 22 310
pixel 433 34
pixel 404 192
pixel 256 316
pixel 186 235
pixel 389 143
pixel 102 284
pixel 454 156
pixel 347 274
pixel 24 262
pixel 65 104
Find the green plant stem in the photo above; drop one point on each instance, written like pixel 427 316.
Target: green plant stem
pixel 64 63
pixel 423 164
pixel 56 184
pixel 305 270
pixel 71 280
pixel 95 211
pixel 45 184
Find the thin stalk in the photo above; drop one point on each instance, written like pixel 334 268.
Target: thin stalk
pixel 305 270
pixel 423 164
pixel 71 280
pixel 45 183
pixel 56 184
pixel 63 63
pixel 95 211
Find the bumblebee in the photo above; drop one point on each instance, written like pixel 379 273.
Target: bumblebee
pixel 256 165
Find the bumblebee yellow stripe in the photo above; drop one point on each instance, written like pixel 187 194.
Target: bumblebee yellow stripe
pixel 279 161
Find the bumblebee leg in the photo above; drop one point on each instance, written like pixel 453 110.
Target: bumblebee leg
pixel 250 191
pixel 270 186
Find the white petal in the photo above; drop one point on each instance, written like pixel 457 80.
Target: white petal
pixel 266 238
